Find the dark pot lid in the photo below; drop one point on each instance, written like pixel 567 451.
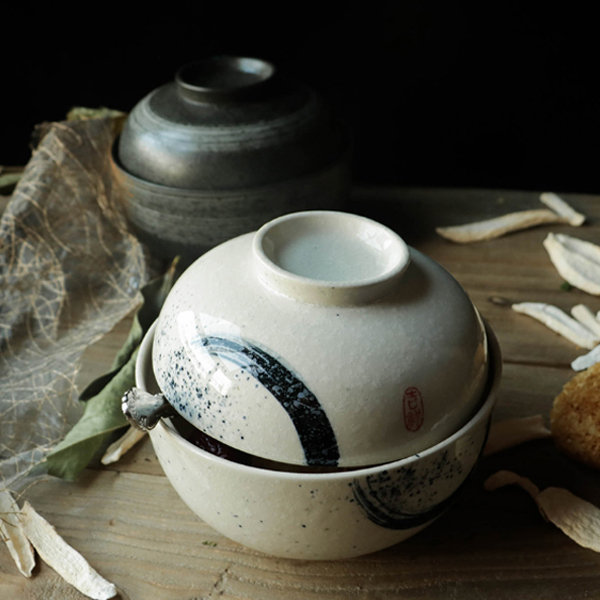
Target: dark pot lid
pixel 227 123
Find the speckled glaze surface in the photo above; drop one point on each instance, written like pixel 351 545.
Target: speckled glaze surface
pixel 321 339
pixel 320 516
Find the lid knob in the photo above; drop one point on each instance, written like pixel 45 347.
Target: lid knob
pixel 222 78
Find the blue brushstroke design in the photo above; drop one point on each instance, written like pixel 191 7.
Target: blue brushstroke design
pixel 315 433
pixel 384 497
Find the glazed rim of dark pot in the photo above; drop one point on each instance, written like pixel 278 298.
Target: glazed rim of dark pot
pixel 222 77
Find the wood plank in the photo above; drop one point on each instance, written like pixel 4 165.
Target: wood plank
pixel 97 358
pixel 515 266
pixel 136 531
pixel 131 525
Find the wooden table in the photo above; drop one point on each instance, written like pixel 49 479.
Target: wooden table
pixel 132 527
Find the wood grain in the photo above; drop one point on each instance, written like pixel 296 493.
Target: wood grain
pixel 133 528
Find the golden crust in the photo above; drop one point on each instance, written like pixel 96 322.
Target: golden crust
pixel 575 417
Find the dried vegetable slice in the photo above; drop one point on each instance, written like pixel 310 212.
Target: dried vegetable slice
pixel 585 361
pixel 119 447
pixel 492 228
pixel 558 211
pixel 577 518
pixel 62 557
pixel 586 317
pixel 560 207
pixel 503 478
pixel 558 321
pixel 577 261
pixel 13 535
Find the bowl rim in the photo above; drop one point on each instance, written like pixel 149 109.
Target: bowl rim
pixel 343 290
pixel 481 413
pixel 337 163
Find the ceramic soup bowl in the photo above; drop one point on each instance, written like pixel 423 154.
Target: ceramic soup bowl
pixel 317 516
pixel 322 339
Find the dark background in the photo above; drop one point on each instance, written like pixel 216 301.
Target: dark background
pixel 437 94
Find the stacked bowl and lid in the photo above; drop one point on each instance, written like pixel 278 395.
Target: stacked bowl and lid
pixel 227 145
pixel 347 376
pixel 341 382
pixel 321 340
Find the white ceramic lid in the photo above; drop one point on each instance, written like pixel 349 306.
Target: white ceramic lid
pixel 321 339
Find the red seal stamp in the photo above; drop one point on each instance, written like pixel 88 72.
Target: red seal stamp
pixel 414 409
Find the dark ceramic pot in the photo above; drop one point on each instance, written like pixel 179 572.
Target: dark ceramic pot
pixel 228 145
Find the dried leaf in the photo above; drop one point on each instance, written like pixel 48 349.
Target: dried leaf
pixel 575 517
pixel 512 432
pixel 119 447
pixel 560 207
pixel 492 228
pixel 9 178
pixel 577 261
pixel 565 286
pixel 62 557
pixel 103 416
pixel 102 112
pixel 13 535
pixel 558 321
